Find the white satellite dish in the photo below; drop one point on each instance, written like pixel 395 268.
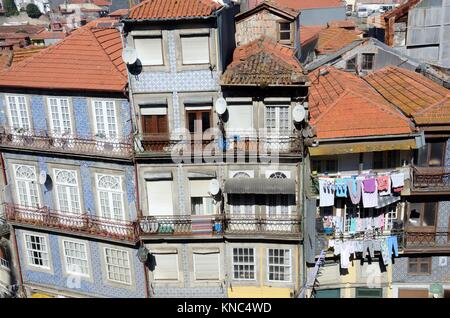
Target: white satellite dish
pixel 221 106
pixel 42 177
pixel 214 187
pixel 129 55
pixel 298 113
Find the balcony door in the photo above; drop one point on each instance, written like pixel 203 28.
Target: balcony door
pixel 198 121
pixel 421 223
pixel 160 207
pixel 68 197
pixel 155 127
pixel 60 122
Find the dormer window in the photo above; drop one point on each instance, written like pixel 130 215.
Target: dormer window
pixel 285 32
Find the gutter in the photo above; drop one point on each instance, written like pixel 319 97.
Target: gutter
pixel 351 139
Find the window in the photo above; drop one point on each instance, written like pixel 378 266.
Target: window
pixel 166 266
pixel 279 265
pixel 277 119
pixel 60 121
pixel 242 204
pixel 195 49
pixel 206 266
pixel 386 159
pixel 159 194
pixel 278 205
pixel 105 119
pixel 18 112
pixel 422 214
pixel 325 165
pixel 285 31
pixel 110 197
pixel 155 124
pixel 369 292
pixel 118 265
pixel 149 50
pixel 198 121
pixel 201 201
pixel 351 64
pixel 26 184
pixel 76 259
pixel 67 191
pixel 419 265
pixel 244 263
pixel 240 118
pixel 432 154
pixel 367 61
pixel 390 216
pixel 37 251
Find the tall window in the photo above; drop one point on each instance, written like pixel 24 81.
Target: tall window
pixel 149 50
pixel 285 31
pixel 206 266
pixel 37 251
pixel 105 119
pixel 244 263
pixel 18 112
pixel 277 119
pixel 242 204
pixel 278 205
pixel 110 196
pixel 367 61
pixel 76 259
pixel 432 155
pixel 26 184
pixel 60 121
pixel 198 121
pixel 67 191
pixel 201 201
pixel 195 49
pixel 166 266
pixel 118 265
pixel 419 265
pixel 279 265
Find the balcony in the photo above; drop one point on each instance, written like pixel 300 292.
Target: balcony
pixel 120 147
pixel 180 225
pixel 82 224
pixel 431 179
pixel 284 226
pixel 423 242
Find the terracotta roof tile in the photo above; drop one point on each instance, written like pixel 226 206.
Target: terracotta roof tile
pixel 87 59
pixel 119 13
pixel 414 94
pixel 333 39
pixel 23 53
pixel 342 24
pixel 342 105
pixel 173 9
pixel 436 114
pixel 264 62
pixel 310 32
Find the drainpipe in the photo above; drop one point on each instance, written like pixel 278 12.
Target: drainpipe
pixel 16 250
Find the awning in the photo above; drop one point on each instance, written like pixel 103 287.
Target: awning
pixel 386 200
pixel 260 186
pixel 357 147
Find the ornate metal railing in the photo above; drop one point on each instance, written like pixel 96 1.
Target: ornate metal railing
pixel 66 143
pixel 75 223
pixel 245 144
pixel 190 225
pixel 426 240
pixel 276 225
pixel 431 178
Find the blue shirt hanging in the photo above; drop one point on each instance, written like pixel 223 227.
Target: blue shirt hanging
pixel 341 188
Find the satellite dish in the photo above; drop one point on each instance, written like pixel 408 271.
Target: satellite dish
pixel 129 55
pixel 298 113
pixel 42 177
pixel 214 187
pixel 221 106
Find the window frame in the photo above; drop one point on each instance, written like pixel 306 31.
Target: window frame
pixel 194 254
pixel 28 184
pixel 422 213
pixel 419 262
pixel 110 193
pixel 194 35
pixel 279 32
pixel 156 36
pixel 233 264
pixel 46 252
pixel 365 63
pixel 279 265
pixel 66 256
pixel 20 118
pixel 107 264
pixel 104 113
pixel 69 196
pixel 177 279
pixel 277 129
pixel 60 116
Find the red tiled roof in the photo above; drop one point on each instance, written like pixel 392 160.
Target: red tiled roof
pixel 309 32
pixel 308 4
pixel 23 53
pixel 332 40
pixel 27 29
pixel 102 3
pixel 44 34
pixel 413 93
pixel 173 9
pixel 5 59
pixel 119 13
pixel 88 59
pixel 342 105
pixel 342 24
pixel 264 62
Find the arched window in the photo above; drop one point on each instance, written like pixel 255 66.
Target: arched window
pixel 277 175
pixel 110 197
pixel 27 190
pixel 67 191
pixel 241 175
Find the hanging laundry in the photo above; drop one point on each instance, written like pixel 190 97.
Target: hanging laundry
pixel 392 244
pixel 398 180
pixel 327 224
pixel 338 223
pixel 385 252
pixel 369 185
pixel 341 188
pixel 352 229
pixel 384 185
pixel 397 190
pixel 359 246
pixel 370 199
pixel 368 245
pixel 381 222
pixel 326 192
pixel 337 247
pixel 354 190
pixel 359 225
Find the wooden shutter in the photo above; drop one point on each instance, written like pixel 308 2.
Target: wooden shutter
pixel 166 267
pixel 206 266
pixel 154 124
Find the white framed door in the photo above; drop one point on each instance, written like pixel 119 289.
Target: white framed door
pixel 60 121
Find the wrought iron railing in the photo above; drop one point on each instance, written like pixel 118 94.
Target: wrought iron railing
pixel 431 178
pixel 426 240
pixel 191 225
pixel 66 143
pixel 269 225
pixel 75 223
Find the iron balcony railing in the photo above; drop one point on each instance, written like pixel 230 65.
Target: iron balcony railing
pixel 431 178
pixel 182 225
pixel 73 223
pixel 120 147
pixel 267 225
pixel 160 143
pixel 439 239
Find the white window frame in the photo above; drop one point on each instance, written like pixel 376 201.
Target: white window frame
pixel 110 193
pixel 117 266
pixel 233 264
pixel 45 252
pixel 20 105
pixel 195 271
pixel 278 207
pixel 251 197
pixel 143 38
pixel 279 265
pixel 29 183
pixel 64 129
pixel 203 35
pixel 178 269
pixel 390 215
pixel 66 256
pixel 67 190
pixel 102 106
pixel 205 206
pixel 276 130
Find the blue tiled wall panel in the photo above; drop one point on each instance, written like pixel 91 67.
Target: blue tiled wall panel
pixel 81 113
pixel 438 273
pixel 447 154
pixel 38 113
pixel 94 286
pixel 3 120
pixel 125 117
